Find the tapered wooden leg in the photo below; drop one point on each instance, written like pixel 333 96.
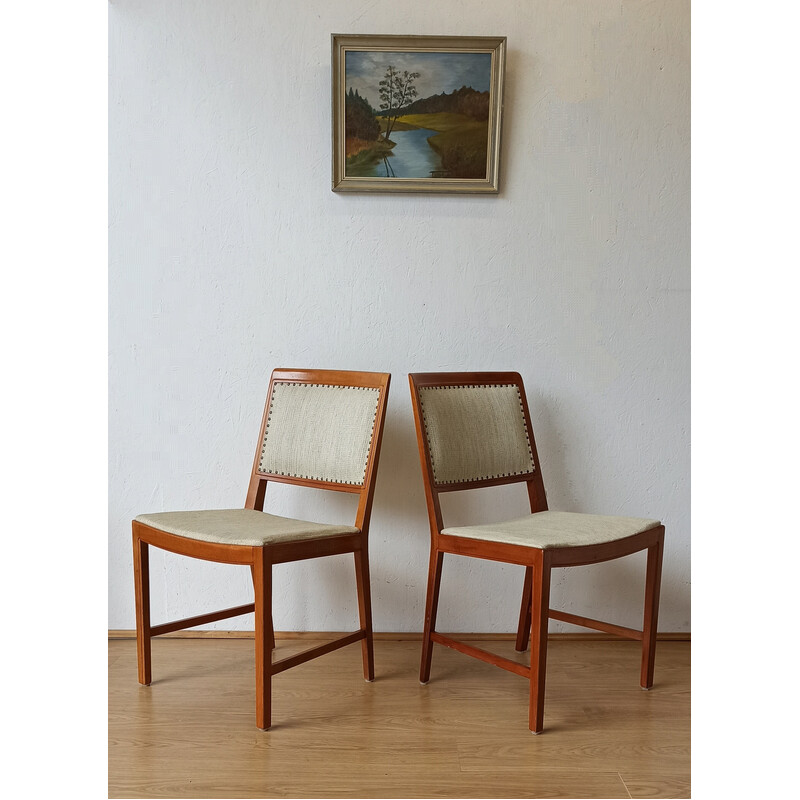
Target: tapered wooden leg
pixel 651 596
pixel 431 605
pixel 272 629
pixel 524 627
pixel 540 608
pixel 365 610
pixel 262 580
pixel 141 577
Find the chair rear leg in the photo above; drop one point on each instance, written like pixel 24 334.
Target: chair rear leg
pixel 141 577
pixel 431 606
pixel 540 614
pixel 365 610
pixel 651 598
pixel 524 627
pixel 262 580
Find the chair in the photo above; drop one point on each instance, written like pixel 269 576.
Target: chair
pixel 474 430
pixel 320 429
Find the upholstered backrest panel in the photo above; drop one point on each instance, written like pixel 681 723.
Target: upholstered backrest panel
pixel 475 432
pixel 319 432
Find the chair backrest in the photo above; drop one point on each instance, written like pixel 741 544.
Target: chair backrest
pixel 321 428
pixel 473 430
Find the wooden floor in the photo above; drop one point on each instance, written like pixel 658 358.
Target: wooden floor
pixel 192 734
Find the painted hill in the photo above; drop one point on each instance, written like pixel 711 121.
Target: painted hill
pixel 465 101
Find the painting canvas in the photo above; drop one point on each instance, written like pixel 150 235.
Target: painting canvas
pixel 416 113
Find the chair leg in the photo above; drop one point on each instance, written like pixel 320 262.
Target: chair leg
pixel 524 627
pixel 650 627
pixel 262 579
pixel 272 628
pixel 361 558
pixel 141 577
pixel 540 613
pixel 431 605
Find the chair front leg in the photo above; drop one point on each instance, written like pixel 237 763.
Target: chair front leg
pixel 365 609
pixel 262 580
pixel 540 614
pixel 651 598
pixel 272 628
pixel 431 605
pixel 524 627
pixel 141 578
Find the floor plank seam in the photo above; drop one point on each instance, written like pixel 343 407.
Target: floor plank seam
pixel 630 796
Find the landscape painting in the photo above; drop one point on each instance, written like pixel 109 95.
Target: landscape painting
pixel 417 113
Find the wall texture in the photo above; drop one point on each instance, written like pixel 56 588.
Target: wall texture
pixel 229 256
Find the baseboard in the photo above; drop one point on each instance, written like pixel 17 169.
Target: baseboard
pixel 391 637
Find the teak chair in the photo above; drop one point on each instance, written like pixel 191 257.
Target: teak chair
pixel 474 430
pixel 320 429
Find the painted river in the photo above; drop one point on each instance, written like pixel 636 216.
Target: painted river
pixel 412 157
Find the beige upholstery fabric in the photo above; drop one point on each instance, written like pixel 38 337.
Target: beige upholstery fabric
pixel 475 432
pixel 319 432
pixel 556 529
pixel 239 526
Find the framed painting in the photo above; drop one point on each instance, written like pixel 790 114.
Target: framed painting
pixel 417 113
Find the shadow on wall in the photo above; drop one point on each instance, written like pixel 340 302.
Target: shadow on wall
pixel 399 490
pixel 399 533
pixel 552 453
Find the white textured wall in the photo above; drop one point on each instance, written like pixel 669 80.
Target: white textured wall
pixel 229 256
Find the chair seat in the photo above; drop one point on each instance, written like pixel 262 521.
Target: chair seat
pixel 549 529
pixel 240 526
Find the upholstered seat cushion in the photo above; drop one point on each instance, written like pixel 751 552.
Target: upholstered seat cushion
pixel 549 529
pixel 241 526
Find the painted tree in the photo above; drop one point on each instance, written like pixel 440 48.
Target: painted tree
pixel 396 91
pixel 359 119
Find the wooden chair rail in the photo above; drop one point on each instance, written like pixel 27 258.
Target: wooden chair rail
pixel 332 377
pixel 463 378
pixel 313 652
pixel 191 622
pixel 484 655
pixel 596 624
pixel 352 488
pixel 597 553
pixel 489 551
pixel 316 548
pixel 464 486
pixel 558 557
pixel 194 548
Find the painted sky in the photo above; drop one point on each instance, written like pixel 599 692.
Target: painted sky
pixel 439 72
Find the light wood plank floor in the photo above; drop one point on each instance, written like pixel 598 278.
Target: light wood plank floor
pixel 192 733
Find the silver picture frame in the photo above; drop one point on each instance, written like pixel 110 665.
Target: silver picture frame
pixel 417 113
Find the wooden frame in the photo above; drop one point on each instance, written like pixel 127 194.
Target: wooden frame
pixel 261 559
pixel 440 96
pixel 535 608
